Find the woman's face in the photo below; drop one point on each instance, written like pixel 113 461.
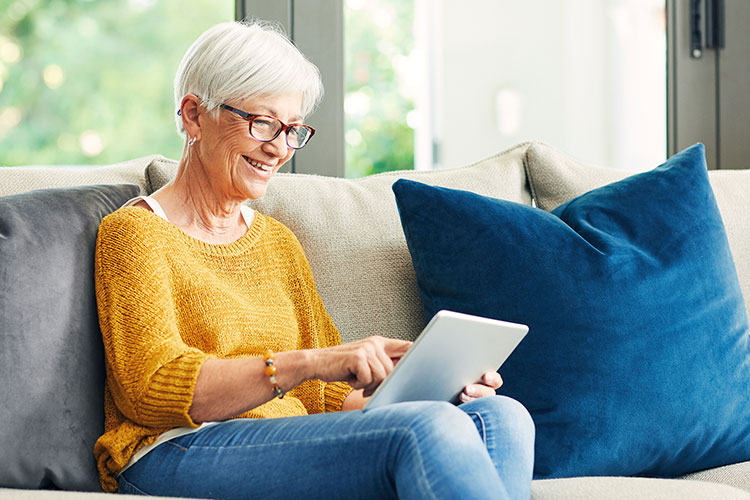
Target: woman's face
pixel 240 165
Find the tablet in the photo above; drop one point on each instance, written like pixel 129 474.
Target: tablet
pixel 453 350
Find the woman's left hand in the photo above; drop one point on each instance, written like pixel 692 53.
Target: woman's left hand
pixel 485 386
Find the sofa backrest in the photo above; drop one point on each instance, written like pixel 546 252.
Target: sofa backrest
pixel 555 177
pixel 14 180
pixel 351 233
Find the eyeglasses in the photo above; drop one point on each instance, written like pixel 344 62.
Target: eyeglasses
pixel 266 128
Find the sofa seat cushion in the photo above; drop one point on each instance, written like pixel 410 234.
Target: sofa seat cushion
pixel 351 234
pixel 637 361
pixel 14 180
pixel 555 178
pixel 737 475
pixel 632 488
pixel 51 354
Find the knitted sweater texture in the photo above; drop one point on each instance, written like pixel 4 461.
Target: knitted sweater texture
pixel 168 302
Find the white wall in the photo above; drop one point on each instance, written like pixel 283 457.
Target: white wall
pixel 586 76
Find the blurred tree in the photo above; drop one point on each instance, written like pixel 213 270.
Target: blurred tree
pixel 378 44
pixel 90 81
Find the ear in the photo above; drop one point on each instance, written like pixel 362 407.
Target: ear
pixel 189 110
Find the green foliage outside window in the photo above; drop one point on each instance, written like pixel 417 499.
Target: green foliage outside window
pixel 378 40
pixel 90 81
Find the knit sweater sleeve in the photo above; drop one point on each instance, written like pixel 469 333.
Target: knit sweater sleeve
pixel 151 372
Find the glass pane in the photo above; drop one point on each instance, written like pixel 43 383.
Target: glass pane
pixel 585 76
pixel 378 53
pixel 90 81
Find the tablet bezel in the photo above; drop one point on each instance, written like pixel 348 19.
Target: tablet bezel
pixel 453 350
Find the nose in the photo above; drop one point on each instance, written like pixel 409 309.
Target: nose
pixel 277 147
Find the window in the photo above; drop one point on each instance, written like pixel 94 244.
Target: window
pixel 588 77
pixel 90 81
pixel 379 99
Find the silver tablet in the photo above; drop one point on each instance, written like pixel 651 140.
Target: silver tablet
pixel 453 350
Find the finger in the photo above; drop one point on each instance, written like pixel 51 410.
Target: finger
pixel 361 373
pixel 378 370
pixel 385 361
pixel 479 390
pixel 475 391
pixel 395 348
pixel 492 379
pixel 464 398
pixel 379 362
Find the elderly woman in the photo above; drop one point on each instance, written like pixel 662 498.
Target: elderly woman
pixel 226 378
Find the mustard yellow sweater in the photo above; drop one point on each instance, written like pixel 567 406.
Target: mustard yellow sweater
pixel 167 302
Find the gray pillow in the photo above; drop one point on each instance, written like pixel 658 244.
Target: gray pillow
pixel 51 355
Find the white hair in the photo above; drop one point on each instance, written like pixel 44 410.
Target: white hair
pixel 237 60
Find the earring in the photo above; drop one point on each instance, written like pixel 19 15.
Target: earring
pixel 192 141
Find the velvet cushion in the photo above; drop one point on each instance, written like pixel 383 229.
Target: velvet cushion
pixel 51 355
pixel 637 361
pixel 555 177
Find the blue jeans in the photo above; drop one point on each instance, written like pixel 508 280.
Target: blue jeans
pixel 422 450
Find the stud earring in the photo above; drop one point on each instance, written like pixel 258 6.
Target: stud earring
pixel 192 141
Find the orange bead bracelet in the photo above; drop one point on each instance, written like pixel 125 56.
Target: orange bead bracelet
pixel 271 373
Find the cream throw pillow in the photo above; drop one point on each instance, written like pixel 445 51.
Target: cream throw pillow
pixel 351 233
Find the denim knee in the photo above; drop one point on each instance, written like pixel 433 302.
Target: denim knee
pixel 440 454
pixel 515 418
pixel 437 422
pixel 521 422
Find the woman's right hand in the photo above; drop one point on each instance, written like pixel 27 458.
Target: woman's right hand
pixel 363 364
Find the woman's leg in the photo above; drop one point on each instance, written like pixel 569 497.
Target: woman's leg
pixel 418 450
pixel 508 432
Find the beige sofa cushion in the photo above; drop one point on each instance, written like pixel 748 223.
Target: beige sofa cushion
pixel 737 475
pixel 351 233
pixel 15 180
pixel 555 178
pixel 632 488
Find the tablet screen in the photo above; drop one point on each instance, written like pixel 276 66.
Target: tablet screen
pixel 453 350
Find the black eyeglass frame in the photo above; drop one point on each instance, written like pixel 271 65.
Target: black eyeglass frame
pixel 284 127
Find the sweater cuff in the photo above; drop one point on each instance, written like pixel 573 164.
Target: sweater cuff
pixel 170 392
pixel 335 394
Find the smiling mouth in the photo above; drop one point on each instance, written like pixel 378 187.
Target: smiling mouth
pixel 255 164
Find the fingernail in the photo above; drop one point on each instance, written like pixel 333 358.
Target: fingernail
pixel 470 390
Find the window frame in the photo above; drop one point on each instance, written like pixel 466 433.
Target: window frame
pixel 317 28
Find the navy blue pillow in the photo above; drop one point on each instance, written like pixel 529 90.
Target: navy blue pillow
pixel 637 361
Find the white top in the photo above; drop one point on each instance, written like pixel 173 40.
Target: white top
pixel 248 214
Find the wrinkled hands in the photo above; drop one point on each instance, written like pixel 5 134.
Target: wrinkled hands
pixel 485 386
pixel 363 364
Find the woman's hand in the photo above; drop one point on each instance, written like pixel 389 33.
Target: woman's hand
pixel 363 364
pixel 485 386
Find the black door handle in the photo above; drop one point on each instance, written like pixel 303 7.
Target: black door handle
pixel 714 26
pixel 696 29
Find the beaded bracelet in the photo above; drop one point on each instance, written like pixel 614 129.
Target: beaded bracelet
pixel 271 372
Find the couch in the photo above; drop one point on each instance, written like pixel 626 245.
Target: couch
pixel 352 236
